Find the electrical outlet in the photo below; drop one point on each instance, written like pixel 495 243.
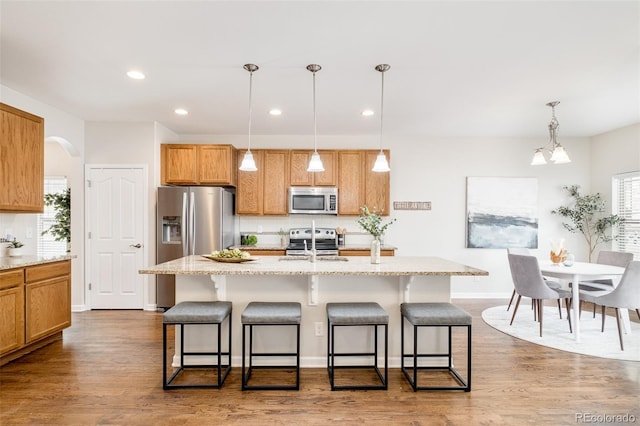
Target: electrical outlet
pixel 318 329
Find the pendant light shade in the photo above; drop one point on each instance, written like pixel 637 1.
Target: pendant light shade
pixel 248 163
pixel 315 164
pixel 557 151
pixel 381 164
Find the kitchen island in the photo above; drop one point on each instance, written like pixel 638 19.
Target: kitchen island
pixel 333 279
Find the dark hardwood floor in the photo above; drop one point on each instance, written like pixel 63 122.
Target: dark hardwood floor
pixel 107 370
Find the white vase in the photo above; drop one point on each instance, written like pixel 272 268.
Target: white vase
pixel 15 252
pixel 375 250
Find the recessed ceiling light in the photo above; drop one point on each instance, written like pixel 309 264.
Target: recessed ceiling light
pixel 136 75
pixel 181 111
pixel 367 113
pixel 275 111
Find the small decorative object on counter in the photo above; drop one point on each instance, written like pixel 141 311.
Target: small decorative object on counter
pixel 248 240
pixel 568 260
pixel 341 232
pixel 15 248
pixel 283 237
pixel 371 222
pixel 558 252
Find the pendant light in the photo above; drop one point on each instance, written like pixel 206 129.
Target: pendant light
pixel 381 164
pixel 558 154
pixel 248 163
pixel 315 164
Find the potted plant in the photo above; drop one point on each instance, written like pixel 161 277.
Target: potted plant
pixel 371 222
pixel 61 203
pixel 586 215
pixel 15 248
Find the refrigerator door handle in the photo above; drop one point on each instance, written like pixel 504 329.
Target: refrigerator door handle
pixel 192 223
pixel 183 226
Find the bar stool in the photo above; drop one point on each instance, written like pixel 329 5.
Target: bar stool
pixel 357 314
pixel 434 315
pixel 270 314
pixel 197 313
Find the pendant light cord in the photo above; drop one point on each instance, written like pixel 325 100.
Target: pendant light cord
pixel 315 129
pixel 250 106
pixel 381 109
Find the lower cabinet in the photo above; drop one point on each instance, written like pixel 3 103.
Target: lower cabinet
pixel 11 310
pixel 355 252
pixel 35 305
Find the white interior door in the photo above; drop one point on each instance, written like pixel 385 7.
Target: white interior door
pixel 115 237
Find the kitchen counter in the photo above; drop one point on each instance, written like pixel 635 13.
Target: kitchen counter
pixel 395 280
pixel 22 261
pixel 352 265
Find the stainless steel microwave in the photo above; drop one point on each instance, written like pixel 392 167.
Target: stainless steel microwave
pixel 313 200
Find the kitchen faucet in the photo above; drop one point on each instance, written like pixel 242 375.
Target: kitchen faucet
pixel 311 253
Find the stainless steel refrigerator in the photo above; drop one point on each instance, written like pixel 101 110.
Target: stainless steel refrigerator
pixel 191 220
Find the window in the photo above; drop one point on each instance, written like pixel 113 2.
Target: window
pixel 626 203
pixel 47 246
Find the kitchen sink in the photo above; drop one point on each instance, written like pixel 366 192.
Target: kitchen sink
pixel 318 258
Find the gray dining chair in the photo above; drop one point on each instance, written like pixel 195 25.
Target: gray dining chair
pixel 606 257
pixel 529 282
pixel 550 283
pixel 626 295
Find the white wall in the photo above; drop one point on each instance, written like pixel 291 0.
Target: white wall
pixel 57 124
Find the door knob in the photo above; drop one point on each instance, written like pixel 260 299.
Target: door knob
pixel 135 245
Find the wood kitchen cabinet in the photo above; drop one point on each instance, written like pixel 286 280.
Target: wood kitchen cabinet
pixel 35 306
pixel 47 299
pixel 21 161
pixel 264 192
pixel 11 310
pixel 358 185
pixel 193 164
pixel 299 161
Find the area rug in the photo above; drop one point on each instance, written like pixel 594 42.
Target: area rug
pixel 555 332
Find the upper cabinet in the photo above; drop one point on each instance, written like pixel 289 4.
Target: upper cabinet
pixel 359 186
pixel 264 192
pixel 21 161
pixel 191 164
pixel 299 176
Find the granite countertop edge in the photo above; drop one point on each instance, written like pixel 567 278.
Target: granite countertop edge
pixel 22 261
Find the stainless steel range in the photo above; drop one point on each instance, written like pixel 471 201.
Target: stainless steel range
pixel 326 242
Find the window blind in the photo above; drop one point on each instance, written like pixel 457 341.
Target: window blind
pixel 47 246
pixel 626 204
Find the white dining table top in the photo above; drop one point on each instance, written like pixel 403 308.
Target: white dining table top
pixel 579 268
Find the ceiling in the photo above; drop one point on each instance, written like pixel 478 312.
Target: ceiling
pixel 458 69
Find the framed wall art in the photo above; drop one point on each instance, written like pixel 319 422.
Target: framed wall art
pixel 502 212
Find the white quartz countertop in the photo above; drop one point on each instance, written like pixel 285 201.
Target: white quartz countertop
pixel 342 265
pixel 22 261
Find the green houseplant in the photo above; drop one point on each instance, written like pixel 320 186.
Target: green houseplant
pixel 61 203
pixel 586 215
pixel 371 222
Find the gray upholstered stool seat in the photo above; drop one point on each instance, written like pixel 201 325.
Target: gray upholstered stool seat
pixel 197 313
pixel 353 315
pixel 420 315
pixel 270 314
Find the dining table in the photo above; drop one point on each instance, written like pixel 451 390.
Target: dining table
pixel 577 272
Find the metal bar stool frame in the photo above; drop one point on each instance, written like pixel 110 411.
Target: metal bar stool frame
pixel 331 364
pixel 411 373
pixel 222 370
pixel 246 372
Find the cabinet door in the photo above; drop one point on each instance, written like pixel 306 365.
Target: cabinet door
pixel 275 182
pixel 216 165
pixel 11 310
pixel 249 189
pixel 21 161
pixel 299 176
pixel 48 307
pixel 351 184
pixel 377 185
pixel 179 164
